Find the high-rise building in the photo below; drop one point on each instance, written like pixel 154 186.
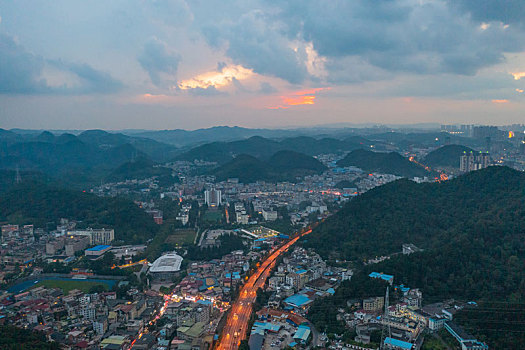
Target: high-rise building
pixel 474 161
pixel 213 197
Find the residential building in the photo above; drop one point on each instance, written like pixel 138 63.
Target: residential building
pixel 473 161
pixel 373 304
pixel 76 243
pixel 269 215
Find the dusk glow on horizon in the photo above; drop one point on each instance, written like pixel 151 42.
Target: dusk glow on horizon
pixel 298 98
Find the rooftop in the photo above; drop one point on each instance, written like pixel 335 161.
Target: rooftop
pixel 297 300
pixel 381 275
pixel 167 263
pixel 398 343
pixel 302 333
pixel 99 248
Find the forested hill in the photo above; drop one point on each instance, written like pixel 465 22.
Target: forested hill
pixel 260 147
pixel 446 156
pixel 43 205
pixel 471 228
pixel 282 166
pixel 88 158
pixel 388 163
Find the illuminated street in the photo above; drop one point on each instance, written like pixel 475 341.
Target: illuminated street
pixel 236 326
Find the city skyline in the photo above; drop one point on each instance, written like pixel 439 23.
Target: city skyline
pixel 190 65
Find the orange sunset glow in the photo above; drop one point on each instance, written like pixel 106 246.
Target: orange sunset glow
pixel 518 75
pixel 216 79
pixel 298 98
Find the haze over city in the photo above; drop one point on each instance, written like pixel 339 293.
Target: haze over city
pixel 193 64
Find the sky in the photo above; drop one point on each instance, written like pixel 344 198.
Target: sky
pixel 168 64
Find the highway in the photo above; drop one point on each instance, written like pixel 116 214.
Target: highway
pixel 237 323
pixel 236 326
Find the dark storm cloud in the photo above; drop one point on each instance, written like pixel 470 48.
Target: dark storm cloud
pixel 506 11
pixel 22 72
pixel 93 81
pixel 157 60
pixel 19 70
pixel 209 91
pixel 422 39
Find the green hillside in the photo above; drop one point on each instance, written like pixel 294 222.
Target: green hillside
pixel 446 156
pixel 471 229
pixel 138 169
pixel 15 338
pixel 43 205
pixel 290 161
pixel 260 147
pixel 282 166
pixel 388 163
pixel 77 160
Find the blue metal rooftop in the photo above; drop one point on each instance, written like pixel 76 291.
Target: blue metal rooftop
pixel 297 300
pixel 98 248
pixel 399 343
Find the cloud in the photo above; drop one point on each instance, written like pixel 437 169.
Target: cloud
pixel 500 101
pixel 311 40
pixel 484 85
pixel 518 75
pixel 207 91
pixel 256 41
pixel 507 11
pixel 159 62
pixel 223 76
pixel 401 36
pixel 267 88
pixel 22 72
pixel 173 12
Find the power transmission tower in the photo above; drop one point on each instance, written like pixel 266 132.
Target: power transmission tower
pixel 18 178
pixel 387 332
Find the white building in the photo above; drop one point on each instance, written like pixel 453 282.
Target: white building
pixel 474 161
pixel 166 267
pixel 88 312
pixel 269 215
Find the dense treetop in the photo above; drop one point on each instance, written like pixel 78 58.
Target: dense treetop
pixel 382 162
pixel 471 229
pixel 43 205
pixel 446 156
pixel 282 166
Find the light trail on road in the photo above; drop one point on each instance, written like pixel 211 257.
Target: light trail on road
pixel 236 326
